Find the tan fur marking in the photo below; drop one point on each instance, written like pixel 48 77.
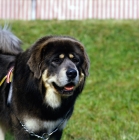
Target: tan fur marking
pixel 71 55
pixel 81 77
pixel 61 56
pixel 51 95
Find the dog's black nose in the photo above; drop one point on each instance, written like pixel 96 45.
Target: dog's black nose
pixel 71 73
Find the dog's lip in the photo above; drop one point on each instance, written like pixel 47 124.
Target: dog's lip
pixel 68 88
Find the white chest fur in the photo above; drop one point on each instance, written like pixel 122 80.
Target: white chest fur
pixel 33 124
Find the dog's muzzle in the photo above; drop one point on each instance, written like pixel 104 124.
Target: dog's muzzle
pixel 67 81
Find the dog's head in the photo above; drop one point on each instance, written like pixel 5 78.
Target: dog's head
pixel 61 63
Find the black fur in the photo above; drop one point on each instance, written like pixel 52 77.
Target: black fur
pixel 29 89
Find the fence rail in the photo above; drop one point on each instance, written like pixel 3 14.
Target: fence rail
pixel 69 9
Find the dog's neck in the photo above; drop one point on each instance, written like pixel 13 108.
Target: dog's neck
pixel 59 124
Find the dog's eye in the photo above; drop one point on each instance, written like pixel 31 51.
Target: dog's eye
pixel 75 60
pixel 56 60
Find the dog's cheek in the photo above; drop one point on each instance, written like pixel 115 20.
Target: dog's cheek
pixel 44 76
pixel 51 97
pixel 47 78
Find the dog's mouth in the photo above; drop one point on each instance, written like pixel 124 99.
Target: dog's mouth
pixel 65 90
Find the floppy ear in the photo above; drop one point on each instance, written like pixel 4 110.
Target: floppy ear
pixel 86 64
pixel 34 63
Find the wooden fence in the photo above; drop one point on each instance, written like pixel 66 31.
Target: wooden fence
pixel 69 9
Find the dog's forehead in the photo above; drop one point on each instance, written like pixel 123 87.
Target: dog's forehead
pixel 66 44
pixel 63 46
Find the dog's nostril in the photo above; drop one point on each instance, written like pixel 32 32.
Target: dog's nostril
pixel 71 73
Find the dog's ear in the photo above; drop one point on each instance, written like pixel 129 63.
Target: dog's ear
pixel 37 52
pixel 86 64
pixel 34 63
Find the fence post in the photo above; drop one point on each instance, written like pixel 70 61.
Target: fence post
pixel 33 9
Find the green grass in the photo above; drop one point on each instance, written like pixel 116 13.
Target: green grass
pixel 108 108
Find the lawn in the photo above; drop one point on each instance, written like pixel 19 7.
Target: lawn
pixel 108 108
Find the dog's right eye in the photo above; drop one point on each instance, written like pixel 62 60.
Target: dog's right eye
pixel 56 60
pixel 75 60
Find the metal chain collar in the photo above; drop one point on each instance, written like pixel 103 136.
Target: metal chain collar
pixel 45 136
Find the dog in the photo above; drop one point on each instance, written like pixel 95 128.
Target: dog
pixel 39 86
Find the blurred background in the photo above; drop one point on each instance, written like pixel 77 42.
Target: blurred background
pixel 108 108
pixel 69 9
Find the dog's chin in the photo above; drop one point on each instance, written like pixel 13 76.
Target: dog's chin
pixel 66 90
